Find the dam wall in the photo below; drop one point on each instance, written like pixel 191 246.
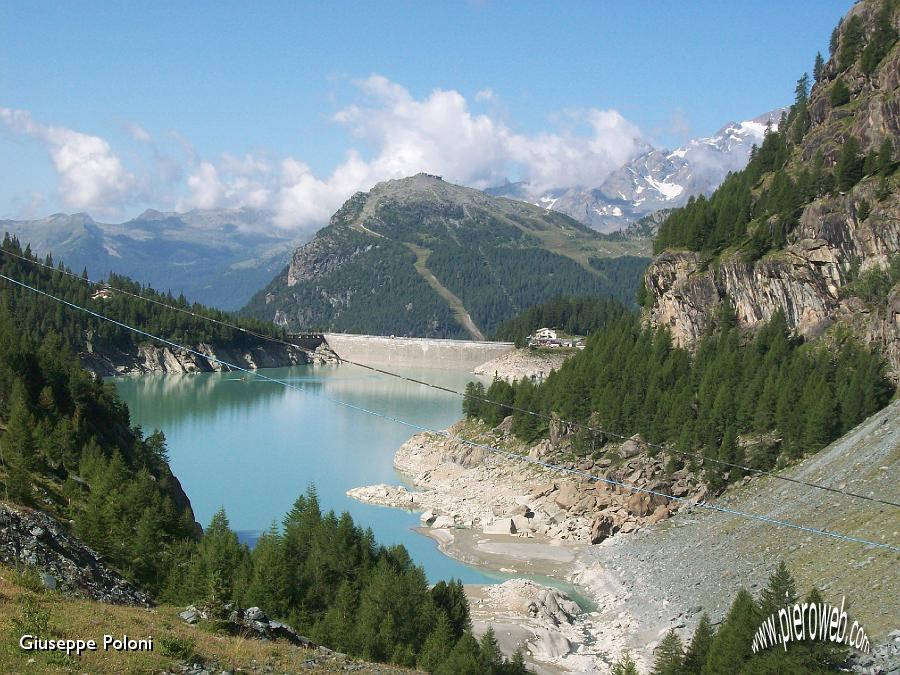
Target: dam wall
pixel 417 352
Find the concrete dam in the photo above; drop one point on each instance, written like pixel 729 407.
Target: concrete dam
pixel 418 352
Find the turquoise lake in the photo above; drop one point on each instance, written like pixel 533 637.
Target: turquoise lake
pixel 253 446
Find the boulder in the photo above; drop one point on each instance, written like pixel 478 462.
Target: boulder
pixel 521 524
pixel 427 518
pixel 632 447
pixel 604 526
pixel 638 504
pixel 543 490
pixel 444 522
pixel 659 513
pixel 548 645
pixel 500 526
pixel 567 496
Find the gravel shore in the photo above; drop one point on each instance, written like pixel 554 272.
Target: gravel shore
pixel 641 584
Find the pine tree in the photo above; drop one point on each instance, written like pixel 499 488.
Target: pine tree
pixel 781 591
pixel 625 666
pixel 669 655
pixel 731 646
pixel 849 168
pixel 851 42
pixel 883 38
pixel 437 646
pixel 698 649
pixel 839 94
pixel 490 658
pixel 818 67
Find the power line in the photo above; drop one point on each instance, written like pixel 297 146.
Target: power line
pixel 455 392
pixel 447 434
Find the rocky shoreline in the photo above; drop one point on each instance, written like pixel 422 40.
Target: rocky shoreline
pixel 519 363
pixel 107 361
pixel 493 511
pixel 649 574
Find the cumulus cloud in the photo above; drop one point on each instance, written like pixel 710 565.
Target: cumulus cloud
pixel 393 134
pixel 440 134
pixel 91 174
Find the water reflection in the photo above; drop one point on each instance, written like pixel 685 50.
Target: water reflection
pixel 253 446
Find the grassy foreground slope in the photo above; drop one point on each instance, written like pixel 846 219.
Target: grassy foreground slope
pixel 175 642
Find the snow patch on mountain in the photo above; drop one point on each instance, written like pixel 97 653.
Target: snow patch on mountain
pixel 655 179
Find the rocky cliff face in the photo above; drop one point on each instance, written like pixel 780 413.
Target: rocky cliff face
pixel 804 280
pixel 105 361
pixel 838 236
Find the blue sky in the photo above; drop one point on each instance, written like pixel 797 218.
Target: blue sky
pixel 112 107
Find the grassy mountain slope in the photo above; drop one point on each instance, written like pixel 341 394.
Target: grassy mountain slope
pixel 418 255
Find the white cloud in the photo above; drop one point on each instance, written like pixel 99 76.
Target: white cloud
pixel 398 135
pixel 439 134
pixel 137 132
pixel 91 174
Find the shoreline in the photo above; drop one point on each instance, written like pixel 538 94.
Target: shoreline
pixel 523 522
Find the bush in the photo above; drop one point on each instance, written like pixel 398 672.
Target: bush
pixel 183 649
pixel 840 94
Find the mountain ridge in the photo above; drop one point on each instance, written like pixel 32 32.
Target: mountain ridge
pixel 218 257
pixel 495 255
pixel 655 179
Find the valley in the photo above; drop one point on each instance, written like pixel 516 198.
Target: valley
pixel 500 383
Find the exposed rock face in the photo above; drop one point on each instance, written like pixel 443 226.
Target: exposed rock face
pixel 835 233
pixel 804 280
pixel 38 540
pixel 104 360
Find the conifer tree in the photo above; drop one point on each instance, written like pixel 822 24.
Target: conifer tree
pixel 625 666
pixel 818 67
pixel 669 655
pixel 840 93
pixel 490 658
pixel 437 646
pixel 698 649
pixel 781 591
pixel 849 168
pixel 851 42
pixel 732 644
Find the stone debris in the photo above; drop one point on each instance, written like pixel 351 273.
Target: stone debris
pixel 463 486
pixel 38 540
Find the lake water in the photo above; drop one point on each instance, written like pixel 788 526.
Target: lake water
pixel 253 446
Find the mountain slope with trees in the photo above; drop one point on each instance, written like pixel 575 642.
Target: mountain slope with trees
pixel 811 227
pixel 106 348
pixel 367 272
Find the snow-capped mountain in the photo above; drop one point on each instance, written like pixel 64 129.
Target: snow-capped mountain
pixel 656 179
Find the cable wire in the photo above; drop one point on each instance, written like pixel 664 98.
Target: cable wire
pixel 455 392
pixel 487 448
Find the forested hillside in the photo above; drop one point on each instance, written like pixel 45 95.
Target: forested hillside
pixel 423 257
pixel 811 227
pixel 38 315
pixel 802 247
pixel 762 402
pixel 67 446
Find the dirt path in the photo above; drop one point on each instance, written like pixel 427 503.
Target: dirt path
pixel 459 310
